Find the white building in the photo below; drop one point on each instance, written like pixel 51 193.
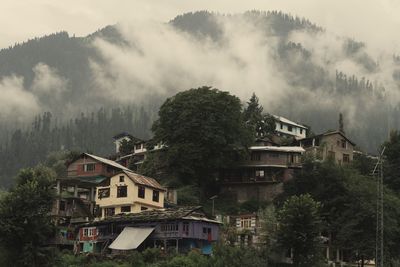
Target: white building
pixel 289 128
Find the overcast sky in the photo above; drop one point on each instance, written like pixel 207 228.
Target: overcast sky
pixel 374 21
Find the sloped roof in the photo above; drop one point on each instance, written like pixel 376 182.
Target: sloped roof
pixel 298 149
pixel 184 213
pixel 143 180
pixel 108 162
pixel 287 121
pixel 329 133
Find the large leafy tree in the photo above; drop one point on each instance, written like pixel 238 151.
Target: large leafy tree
pixel 299 229
pixel 203 130
pixel 25 223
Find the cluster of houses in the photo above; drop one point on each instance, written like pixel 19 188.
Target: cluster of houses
pixel 104 206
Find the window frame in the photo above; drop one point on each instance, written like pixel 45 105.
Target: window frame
pixel 120 191
pixel 141 189
pixel 156 196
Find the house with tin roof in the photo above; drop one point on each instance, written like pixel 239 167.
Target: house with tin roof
pixel 129 192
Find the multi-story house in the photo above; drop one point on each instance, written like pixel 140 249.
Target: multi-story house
pixel 260 177
pixel 180 229
pixel 129 192
pixel 289 128
pixel 329 145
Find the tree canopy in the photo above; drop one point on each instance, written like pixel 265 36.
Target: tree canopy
pixel 299 229
pixel 25 223
pixel 203 130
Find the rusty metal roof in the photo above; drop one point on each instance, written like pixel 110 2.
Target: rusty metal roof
pixel 144 180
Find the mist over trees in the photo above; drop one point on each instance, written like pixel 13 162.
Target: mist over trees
pixel 295 67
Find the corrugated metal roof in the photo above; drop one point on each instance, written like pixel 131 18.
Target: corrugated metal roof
pixel 298 149
pixel 130 238
pixel 108 162
pixel 144 180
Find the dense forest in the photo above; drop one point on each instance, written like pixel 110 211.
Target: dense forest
pixel 90 132
pixel 66 92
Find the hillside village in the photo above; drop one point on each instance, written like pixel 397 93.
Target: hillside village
pixel 104 205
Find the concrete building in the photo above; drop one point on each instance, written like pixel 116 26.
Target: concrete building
pixel 260 177
pixel 286 127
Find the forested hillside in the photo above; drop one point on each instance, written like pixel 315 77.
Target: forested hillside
pixel 67 92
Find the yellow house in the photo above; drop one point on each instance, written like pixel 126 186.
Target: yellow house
pixel 129 192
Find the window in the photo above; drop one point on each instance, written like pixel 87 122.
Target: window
pixel 186 228
pixel 301 131
pixel 109 212
pixel 126 209
pixel 255 156
pixel 138 146
pixel 260 174
pixel 289 128
pixel 281 126
pixel 143 208
pixel 62 205
pixel 103 193
pixel 344 143
pixel 86 232
pixel 169 227
pixel 346 158
pixel 122 191
pixel 156 196
pixel 90 167
pixel 121 179
pixel 245 222
pixel 141 191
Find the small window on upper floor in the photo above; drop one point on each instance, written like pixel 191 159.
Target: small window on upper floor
pixel 301 131
pixel 121 179
pixel 122 191
pixel 344 143
pixel 103 193
pixel 141 192
pixel 290 128
pixel 89 167
pixel 281 126
pixel 138 146
pixel 156 196
pixel 255 156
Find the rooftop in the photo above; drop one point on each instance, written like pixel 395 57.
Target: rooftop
pixel 184 213
pixel 287 121
pixel 297 149
pixel 143 180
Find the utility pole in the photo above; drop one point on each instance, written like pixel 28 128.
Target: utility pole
pixel 379 210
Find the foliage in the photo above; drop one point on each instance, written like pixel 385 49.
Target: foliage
pixel 90 132
pixel 259 124
pixel 269 223
pixel 392 163
pixel 348 207
pixel 25 223
pixel 203 130
pixel 300 225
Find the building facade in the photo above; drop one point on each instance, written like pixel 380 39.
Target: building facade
pixel 129 192
pixel 289 128
pixel 260 177
pixel 332 145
